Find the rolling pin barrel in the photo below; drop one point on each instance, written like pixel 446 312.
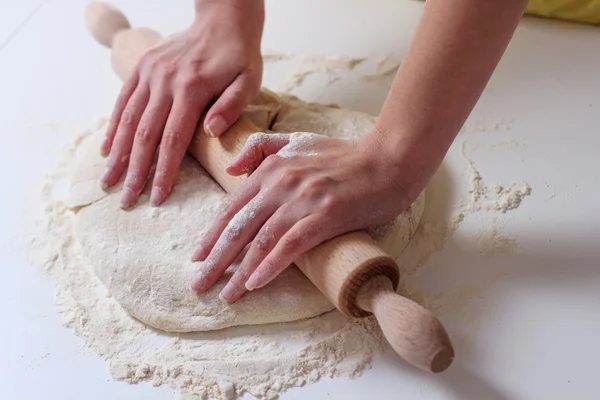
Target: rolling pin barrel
pixel 351 270
pixel 338 267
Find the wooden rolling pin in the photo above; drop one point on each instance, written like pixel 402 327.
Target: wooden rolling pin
pixel 351 270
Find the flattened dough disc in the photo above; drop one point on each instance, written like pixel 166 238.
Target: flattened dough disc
pixel 143 255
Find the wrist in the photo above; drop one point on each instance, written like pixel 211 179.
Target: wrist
pixel 253 10
pixel 245 16
pixel 411 157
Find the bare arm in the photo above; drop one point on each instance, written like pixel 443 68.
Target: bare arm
pixel 300 201
pixel 454 52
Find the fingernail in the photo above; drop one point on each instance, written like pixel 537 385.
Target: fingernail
pixel 198 282
pixel 156 197
pixel 103 178
pixel 216 126
pixel 127 198
pixel 252 282
pixel 199 254
pixel 224 300
pixel 103 149
pixel 228 292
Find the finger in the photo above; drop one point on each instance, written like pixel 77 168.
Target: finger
pixel 121 149
pixel 230 104
pixel 236 201
pixel 264 242
pixel 239 232
pixel 145 142
pixel 258 147
pixel 124 96
pixel 305 235
pixel 179 129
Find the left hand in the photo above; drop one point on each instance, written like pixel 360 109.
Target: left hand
pixel 303 190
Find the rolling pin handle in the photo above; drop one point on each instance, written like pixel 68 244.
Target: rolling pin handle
pixel 412 331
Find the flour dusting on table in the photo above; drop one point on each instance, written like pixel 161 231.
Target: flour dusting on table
pixel 263 360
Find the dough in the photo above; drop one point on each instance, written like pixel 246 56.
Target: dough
pixel 143 255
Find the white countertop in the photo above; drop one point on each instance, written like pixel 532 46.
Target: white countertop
pixel 529 326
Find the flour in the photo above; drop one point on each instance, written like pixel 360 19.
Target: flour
pixel 317 62
pixel 384 73
pixel 297 79
pixel 500 125
pixel 261 360
pixel 331 67
pixel 295 143
pixel 495 197
pixel 300 143
pixel 491 241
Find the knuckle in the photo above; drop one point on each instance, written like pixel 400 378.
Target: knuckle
pixel 161 75
pixel 168 70
pixel 188 82
pixel 237 95
pixel 329 204
pixel 127 118
pixel 264 243
pixel 148 59
pixel 143 134
pixel 241 276
pixel 314 189
pixel 173 139
pixel 120 159
pixel 135 180
pixel 290 243
pixel 290 178
pixel 271 162
pixel 232 233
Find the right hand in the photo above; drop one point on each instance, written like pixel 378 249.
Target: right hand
pixel 217 59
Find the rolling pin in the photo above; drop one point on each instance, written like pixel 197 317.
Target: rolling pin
pixel 351 270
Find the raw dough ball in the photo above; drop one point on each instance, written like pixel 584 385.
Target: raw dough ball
pixel 143 255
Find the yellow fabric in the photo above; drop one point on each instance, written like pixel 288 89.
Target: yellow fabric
pixel 586 11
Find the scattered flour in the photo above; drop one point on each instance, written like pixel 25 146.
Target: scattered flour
pixel 494 197
pixel 491 241
pixel 330 67
pixel 385 71
pixel 263 360
pixel 436 230
pixel 484 126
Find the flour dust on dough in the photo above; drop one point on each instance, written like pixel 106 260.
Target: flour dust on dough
pixel 143 255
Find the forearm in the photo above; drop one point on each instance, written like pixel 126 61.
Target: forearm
pixel 454 52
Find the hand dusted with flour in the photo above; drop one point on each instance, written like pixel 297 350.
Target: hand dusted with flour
pixel 142 255
pixel 303 189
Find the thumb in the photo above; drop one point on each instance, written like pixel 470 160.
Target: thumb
pixel 259 146
pixel 229 106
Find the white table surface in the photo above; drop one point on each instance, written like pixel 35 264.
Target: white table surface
pixel 533 331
